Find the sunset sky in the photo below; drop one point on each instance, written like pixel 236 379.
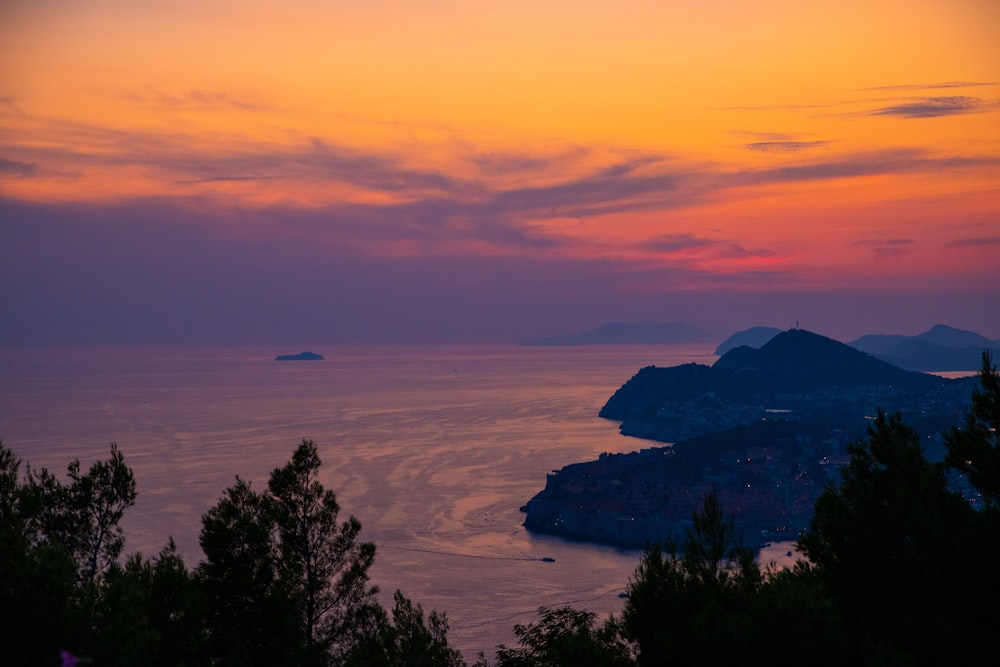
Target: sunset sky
pixel 216 171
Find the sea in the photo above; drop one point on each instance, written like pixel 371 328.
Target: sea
pixel 433 448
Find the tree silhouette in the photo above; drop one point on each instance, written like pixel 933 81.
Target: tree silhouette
pixel 410 639
pixel 251 613
pixel 694 607
pixel 84 516
pixel 975 449
pixel 881 543
pixel 565 636
pixel 283 581
pixel 322 561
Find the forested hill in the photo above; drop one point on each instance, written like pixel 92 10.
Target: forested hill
pixel 796 360
pixel 806 361
pixel 799 372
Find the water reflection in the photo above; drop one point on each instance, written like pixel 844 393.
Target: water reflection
pixel 434 449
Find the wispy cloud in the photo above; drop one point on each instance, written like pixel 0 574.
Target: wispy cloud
pixel 499 164
pixel 17 168
pixel 974 242
pixel 784 146
pixel 702 248
pixel 780 107
pixel 225 179
pixel 11 104
pixel 677 242
pixel 195 100
pixel 766 136
pixel 886 248
pixel 932 86
pixel 930 107
pixel 622 182
pixel 731 250
pixel 392 201
pixel 899 161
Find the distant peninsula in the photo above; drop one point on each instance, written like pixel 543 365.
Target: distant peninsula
pixel 301 356
pixel 796 373
pixel 622 333
pixel 766 428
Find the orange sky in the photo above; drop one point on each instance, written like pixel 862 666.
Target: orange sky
pixel 716 144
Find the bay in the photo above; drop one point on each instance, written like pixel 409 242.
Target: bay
pixel 433 448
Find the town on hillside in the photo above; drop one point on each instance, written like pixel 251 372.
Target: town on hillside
pixel 766 429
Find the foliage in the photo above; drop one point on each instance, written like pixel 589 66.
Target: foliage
pixel 150 611
pixel 975 449
pixel 283 582
pixel 794 613
pixel 409 640
pixel 251 614
pixel 882 543
pixel 695 606
pixel 287 583
pixel 84 515
pixel 56 541
pixel 322 562
pixel 565 636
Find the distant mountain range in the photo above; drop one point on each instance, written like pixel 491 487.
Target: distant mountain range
pixel 621 333
pixel 940 348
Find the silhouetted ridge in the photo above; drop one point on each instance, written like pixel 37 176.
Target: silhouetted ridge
pixel 804 357
pixel 738 358
pixel 941 334
pixel 754 337
pixel 940 348
pixel 796 361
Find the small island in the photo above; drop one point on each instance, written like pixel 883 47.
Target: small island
pixel 301 356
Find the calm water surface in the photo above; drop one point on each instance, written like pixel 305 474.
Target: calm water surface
pixel 433 448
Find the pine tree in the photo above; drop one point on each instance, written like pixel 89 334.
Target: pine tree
pixel 84 516
pixel 975 449
pixel 881 541
pixel 251 613
pixel 694 607
pixel 322 561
